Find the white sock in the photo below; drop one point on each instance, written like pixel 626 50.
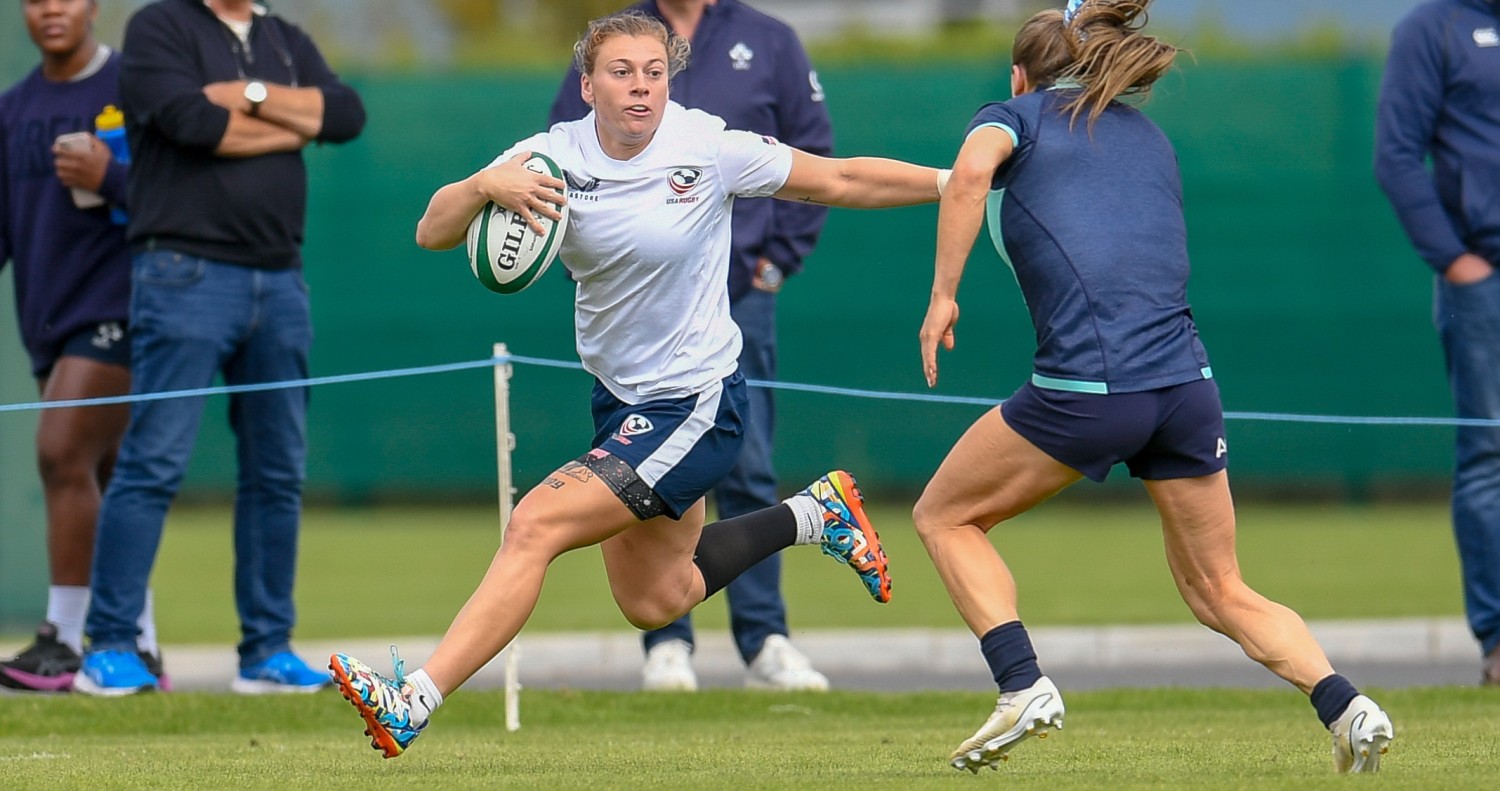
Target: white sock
pixel 809 513
pixel 147 624
pixel 425 696
pixel 67 606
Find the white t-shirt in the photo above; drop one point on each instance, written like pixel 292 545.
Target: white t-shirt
pixel 648 244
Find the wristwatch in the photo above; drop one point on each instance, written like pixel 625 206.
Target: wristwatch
pixel 255 94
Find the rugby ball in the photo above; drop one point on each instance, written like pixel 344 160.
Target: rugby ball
pixel 505 253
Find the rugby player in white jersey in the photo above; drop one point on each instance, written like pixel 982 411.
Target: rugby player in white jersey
pixel 652 186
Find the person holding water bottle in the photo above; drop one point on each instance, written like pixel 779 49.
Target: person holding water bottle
pixel 59 185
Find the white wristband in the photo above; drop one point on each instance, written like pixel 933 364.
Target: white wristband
pixel 942 180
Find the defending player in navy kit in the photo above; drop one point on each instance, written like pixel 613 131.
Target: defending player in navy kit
pixel 648 244
pixel 1084 202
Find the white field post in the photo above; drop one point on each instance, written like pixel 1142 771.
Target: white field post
pixel 505 442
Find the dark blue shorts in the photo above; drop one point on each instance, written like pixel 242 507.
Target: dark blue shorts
pixel 1173 432
pixel 682 447
pixel 105 342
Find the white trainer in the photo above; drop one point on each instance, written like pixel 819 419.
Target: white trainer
pixel 1361 735
pixel 669 668
pixel 779 665
pixel 1034 711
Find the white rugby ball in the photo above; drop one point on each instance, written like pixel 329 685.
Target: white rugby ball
pixel 505 253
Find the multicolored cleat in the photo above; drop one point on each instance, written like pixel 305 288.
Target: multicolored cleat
pixel 385 704
pixel 848 535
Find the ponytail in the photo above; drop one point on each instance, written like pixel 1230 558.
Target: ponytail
pixel 1098 45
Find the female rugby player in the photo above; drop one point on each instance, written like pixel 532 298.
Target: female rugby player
pixel 652 186
pixel 1085 203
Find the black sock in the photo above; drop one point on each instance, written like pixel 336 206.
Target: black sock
pixel 1012 660
pixel 1331 696
pixel 730 546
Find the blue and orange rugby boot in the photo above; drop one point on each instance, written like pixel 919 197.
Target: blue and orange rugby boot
pixel 848 535
pixel 384 703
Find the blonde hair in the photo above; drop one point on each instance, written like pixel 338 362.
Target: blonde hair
pixel 631 23
pixel 1101 48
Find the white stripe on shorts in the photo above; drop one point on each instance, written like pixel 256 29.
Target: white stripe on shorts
pixel 676 448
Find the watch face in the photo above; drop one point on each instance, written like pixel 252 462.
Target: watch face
pixel 255 92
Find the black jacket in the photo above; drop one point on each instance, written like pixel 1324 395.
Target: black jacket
pixel 248 211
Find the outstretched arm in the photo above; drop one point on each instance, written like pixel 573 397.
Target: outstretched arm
pixel 858 182
pixel 960 215
pixel 510 184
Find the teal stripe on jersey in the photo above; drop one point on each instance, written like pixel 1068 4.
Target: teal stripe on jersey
pixel 1208 372
pixel 1015 139
pixel 1069 385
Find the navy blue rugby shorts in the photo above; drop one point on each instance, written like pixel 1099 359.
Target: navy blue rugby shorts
pixel 680 447
pixel 105 342
pixel 1173 432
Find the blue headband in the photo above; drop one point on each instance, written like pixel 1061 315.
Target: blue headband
pixel 1072 9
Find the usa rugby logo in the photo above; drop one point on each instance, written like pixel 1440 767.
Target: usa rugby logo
pixel 683 180
pixel 634 425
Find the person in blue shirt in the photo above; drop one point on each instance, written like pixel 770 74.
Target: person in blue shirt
pixel 72 273
pixel 749 69
pixel 1083 200
pixel 1440 99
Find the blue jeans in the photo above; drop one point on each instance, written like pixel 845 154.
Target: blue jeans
pixel 1468 321
pixel 756 608
pixel 192 318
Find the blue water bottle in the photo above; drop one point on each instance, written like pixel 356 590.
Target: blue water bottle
pixel 109 126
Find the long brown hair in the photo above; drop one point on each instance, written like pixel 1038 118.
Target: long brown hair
pixel 1101 48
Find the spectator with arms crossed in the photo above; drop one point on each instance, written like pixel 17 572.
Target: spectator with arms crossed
pixel 750 70
pixel 220 99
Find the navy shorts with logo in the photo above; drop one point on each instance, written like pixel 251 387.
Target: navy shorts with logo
pixel 1172 432
pixel 680 447
pixel 105 342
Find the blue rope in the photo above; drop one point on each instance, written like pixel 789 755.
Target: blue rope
pixel 882 395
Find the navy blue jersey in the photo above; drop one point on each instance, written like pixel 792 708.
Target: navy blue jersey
pixel 1090 221
pixel 749 69
pixel 72 264
pixel 1440 99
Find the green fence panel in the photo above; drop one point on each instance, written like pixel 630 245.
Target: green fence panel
pixel 1306 292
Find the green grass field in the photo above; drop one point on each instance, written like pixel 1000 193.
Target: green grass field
pixel 733 740
pixel 1074 564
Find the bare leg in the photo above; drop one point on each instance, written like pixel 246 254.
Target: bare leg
pixel 1197 517
pixel 651 571
pixel 75 453
pixel 991 475
pixel 561 514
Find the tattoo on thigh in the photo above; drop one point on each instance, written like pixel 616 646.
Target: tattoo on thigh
pixel 552 483
pixel 577 472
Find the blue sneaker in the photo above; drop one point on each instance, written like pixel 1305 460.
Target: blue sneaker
pixel 114 674
pixel 385 704
pixel 848 535
pixel 284 672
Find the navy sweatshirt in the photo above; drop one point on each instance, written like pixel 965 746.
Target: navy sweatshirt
pixel 749 69
pixel 1441 98
pixel 72 265
pixel 248 211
